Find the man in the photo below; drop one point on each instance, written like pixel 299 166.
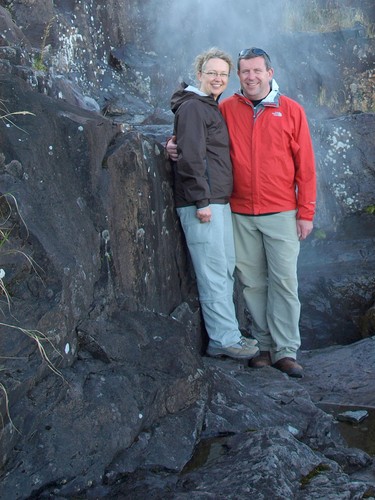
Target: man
pixel 273 205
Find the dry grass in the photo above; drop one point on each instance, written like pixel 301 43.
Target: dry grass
pixel 6 115
pixel 310 16
pixel 40 340
pixel 8 204
pixel 5 395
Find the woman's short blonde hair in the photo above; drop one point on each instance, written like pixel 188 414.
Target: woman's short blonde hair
pixel 212 53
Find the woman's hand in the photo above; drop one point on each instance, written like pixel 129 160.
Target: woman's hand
pixel 204 214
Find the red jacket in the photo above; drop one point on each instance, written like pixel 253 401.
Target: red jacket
pixel 272 156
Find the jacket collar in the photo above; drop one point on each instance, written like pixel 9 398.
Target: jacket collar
pixel 271 99
pixel 195 90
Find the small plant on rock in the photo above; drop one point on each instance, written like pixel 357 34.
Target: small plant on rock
pixel 38 62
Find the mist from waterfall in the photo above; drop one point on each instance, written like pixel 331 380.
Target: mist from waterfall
pixel 298 37
pixel 189 27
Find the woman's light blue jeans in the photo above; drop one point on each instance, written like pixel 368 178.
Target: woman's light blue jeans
pixel 211 248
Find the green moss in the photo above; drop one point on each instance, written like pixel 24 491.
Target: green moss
pixel 38 64
pixel 320 234
pixel 319 469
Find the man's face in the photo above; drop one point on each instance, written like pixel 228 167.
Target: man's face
pixel 255 78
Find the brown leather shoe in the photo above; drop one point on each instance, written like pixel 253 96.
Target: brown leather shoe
pixel 264 359
pixel 290 367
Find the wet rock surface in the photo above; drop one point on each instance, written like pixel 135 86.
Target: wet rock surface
pixel 126 423
pixel 329 382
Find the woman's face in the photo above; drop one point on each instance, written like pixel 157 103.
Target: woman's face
pixel 214 77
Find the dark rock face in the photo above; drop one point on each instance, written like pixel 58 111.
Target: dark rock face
pixel 337 264
pixel 104 390
pixel 144 234
pixel 112 190
pixel 134 413
pixel 125 381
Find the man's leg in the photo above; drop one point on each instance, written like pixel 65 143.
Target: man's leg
pixel 252 271
pixel 283 306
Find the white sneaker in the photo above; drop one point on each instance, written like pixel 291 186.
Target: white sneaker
pixel 241 350
pixel 249 341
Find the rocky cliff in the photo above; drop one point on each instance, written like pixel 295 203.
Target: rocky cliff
pixel 104 390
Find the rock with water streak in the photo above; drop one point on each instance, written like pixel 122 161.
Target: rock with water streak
pixel 354 416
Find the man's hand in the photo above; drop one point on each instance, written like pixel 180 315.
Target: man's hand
pixel 304 228
pixel 204 214
pixel 171 148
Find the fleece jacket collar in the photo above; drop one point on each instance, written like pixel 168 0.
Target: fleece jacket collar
pixel 271 99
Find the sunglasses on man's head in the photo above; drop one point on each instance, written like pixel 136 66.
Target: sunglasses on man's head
pixel 253 51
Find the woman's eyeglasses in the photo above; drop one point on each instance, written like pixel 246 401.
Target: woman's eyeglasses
pixel 215 74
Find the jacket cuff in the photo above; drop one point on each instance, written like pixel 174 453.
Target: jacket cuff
pixel 202 204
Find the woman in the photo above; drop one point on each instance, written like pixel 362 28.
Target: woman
pixel 203 184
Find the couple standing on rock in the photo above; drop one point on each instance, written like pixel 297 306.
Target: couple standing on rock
pixel 245 189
